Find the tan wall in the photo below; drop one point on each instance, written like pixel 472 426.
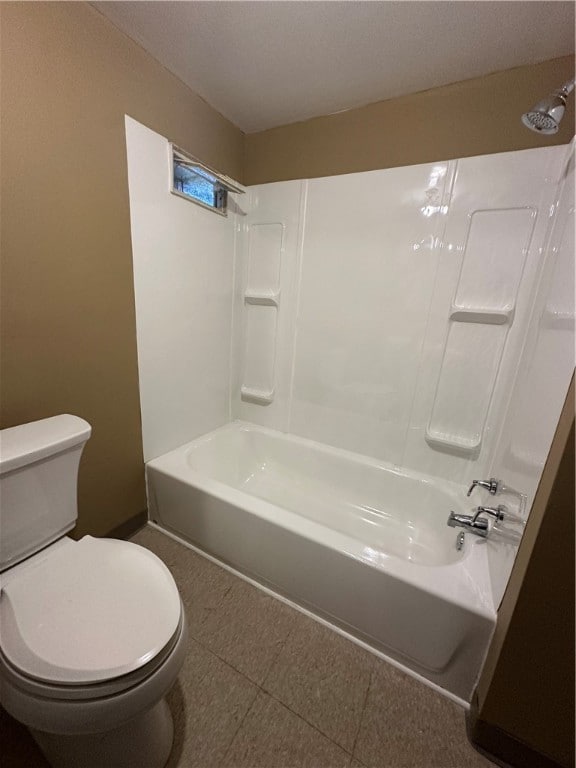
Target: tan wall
pixel 475 117
pixel 526 689
pixel 68 326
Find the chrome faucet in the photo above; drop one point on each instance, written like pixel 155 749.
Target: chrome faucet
pixel 490 485
pixel 496 512
pixel 478 527
pixel 494 487
pixel 474 523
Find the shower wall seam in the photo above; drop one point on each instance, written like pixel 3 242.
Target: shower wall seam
pixel 233 352
pixel 438 247
pixel 297 293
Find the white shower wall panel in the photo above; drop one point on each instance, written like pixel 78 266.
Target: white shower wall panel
pixel 496 246
pixel 260 349
pixel 377 268
pixel 267 269
pixel 465 385
pixel 543 376
pixel 548 361
pixel 513 192
pixel 183 259
pixel 368 263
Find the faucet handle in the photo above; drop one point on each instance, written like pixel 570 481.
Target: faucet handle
pixel 498 513
pixel 490 485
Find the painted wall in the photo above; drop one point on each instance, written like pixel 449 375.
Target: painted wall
pixel 68 326
pixel 475 117
pixel 183 259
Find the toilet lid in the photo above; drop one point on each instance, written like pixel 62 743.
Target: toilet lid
pixel 89 612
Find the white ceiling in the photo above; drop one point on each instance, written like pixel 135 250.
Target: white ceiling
pixel 263 64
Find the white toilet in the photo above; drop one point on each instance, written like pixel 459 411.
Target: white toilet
pixel 92 632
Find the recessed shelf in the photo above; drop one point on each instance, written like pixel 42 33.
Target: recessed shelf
pixel 263 299
pixel 469 369
pixel 259 396
pixel 453 443
pixel 485 316
pixel 265 248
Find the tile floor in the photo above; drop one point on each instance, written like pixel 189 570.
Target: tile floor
pixel 264 686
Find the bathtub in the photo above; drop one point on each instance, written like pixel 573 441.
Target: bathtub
pixel 358 543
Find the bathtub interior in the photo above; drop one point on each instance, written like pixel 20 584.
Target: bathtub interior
pixel 393 512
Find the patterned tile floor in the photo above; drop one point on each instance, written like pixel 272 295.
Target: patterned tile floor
pixel 264 686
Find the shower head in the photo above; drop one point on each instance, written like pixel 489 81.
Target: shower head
pixel 545 116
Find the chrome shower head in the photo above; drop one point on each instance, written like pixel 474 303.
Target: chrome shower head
pixel 545 116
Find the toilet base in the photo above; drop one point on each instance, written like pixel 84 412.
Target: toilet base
pixel 144 742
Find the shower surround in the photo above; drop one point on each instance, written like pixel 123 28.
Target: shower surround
pixel 388 331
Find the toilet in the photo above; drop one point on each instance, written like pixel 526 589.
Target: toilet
pixel 92 632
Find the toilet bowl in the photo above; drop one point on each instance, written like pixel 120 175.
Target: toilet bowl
pixel 92 632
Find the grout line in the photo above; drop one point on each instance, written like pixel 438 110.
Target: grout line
pixel 224 661
pixel 240 724
pixel 206 647
pixel 270 694
pixel 363 711
pixel 282 647
pixel 261 689
pixel 301 717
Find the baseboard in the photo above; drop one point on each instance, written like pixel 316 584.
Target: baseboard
pixel 129 527
pixel 501 747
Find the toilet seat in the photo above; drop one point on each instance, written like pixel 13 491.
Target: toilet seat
pixel 91 691
pixel 89 614
pixel 87 709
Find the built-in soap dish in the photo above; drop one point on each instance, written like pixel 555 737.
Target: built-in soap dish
pixel 262 298
pixel 456 444
pixel 485 316
pixel 258 396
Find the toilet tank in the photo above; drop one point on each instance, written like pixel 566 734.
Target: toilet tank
pixel 38 484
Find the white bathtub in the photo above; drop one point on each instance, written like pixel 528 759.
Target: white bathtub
pixel 358 543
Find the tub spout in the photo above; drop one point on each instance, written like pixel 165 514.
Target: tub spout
pixel 477 526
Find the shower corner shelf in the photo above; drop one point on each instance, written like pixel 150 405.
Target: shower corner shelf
pixel 258 396
pixel 453 443
pixel 486 316
pixel 262 298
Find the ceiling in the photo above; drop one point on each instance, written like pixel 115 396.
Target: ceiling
pixel 264 64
